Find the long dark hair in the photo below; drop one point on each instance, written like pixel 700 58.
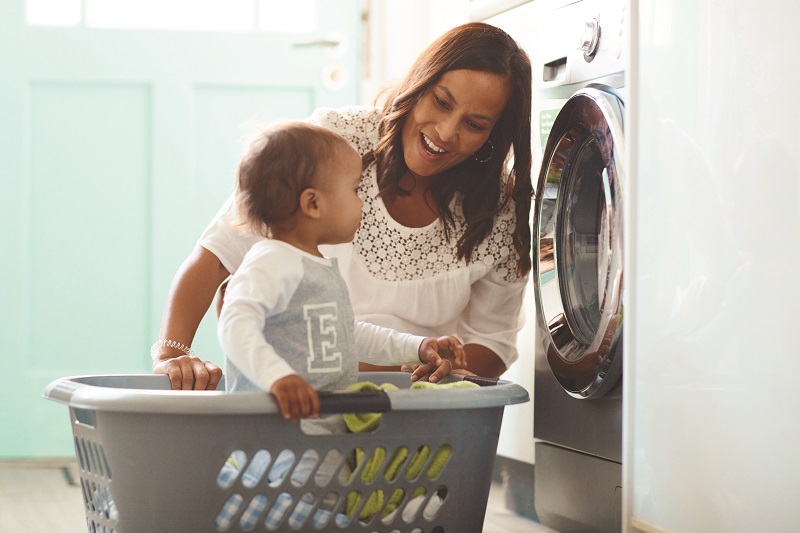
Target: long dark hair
pixel 482 47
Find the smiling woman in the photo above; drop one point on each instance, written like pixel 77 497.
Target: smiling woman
pixel 442 200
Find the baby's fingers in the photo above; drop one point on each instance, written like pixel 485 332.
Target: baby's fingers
pixel 311 403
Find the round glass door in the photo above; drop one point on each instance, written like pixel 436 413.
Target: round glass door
pixel 578 244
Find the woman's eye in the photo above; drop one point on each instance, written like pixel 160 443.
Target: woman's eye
pixel 474 126
pixel 439 102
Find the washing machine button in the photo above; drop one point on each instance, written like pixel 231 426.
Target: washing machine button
pixel 590 39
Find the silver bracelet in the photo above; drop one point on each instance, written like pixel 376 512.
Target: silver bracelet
pixel 160 343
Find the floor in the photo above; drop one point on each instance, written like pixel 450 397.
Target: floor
pixel 40 498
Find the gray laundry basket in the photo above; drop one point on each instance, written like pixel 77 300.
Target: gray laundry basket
pixel 152 459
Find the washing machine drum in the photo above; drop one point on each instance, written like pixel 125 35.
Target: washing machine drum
pixel 578 253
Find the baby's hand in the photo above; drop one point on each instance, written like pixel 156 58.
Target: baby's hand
pixel 296 398
pixel 439 355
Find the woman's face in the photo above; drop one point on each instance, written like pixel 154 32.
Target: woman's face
pixel 452 120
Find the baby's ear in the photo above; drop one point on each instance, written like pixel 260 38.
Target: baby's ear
pixel 309 202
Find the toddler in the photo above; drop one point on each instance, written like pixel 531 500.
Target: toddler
pixel 287 325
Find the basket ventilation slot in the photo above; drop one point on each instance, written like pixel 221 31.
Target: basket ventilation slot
pixel 280 489
pixel 101 511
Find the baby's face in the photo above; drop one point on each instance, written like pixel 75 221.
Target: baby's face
pixel 340 188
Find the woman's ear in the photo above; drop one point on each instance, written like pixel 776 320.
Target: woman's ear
pixel 309 202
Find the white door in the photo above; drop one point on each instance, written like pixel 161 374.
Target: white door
pixel 118 142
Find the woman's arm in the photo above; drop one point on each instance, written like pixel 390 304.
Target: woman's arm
pixel 483 362
pixel 489 324
pixel 189 298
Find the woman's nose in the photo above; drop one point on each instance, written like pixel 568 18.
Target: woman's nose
pixel 447 129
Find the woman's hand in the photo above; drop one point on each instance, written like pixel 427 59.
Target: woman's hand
pixel 190 296
pixel 189 372
pixel 296 398
pixel 481 361
pixel 442 356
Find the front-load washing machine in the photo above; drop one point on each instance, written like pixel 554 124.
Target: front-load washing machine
pixel 578 266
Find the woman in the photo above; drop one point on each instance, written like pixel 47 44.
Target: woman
pixel 440 211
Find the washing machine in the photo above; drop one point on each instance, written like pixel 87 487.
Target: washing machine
pixel 578 242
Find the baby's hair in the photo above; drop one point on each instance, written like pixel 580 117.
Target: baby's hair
pixel 280 164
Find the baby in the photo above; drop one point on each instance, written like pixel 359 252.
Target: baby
pixel 287 325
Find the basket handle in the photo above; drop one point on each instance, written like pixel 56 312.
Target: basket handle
pixel 483 382
pixel 354 402
pixel 61 390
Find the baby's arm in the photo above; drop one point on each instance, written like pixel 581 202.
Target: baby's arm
pixel 438 355
pixel 296 398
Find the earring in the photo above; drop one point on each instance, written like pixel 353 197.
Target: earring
pixel 487 158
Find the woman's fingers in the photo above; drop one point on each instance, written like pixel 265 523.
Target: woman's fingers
pixel 200 373
pixel 190 373
pixel 421 372
pixel 442 369
pixel 215 375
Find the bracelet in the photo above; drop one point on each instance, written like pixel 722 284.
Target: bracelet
pixel 160 343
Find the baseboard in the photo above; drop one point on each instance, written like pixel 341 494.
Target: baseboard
pixel 55 462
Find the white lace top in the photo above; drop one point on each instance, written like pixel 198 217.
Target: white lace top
pixel 409 278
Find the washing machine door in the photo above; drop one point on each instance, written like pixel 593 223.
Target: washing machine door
pixel 578 244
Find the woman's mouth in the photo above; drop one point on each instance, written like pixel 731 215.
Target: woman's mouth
pixel 430 147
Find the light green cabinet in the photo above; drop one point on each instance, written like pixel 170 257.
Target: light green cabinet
pixel 116 149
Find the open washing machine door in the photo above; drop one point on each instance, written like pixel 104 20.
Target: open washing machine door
pixel 578 248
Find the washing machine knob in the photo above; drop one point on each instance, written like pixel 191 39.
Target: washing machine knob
pixel 590 39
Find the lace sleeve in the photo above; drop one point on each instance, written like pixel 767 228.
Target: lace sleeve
pixel 357 124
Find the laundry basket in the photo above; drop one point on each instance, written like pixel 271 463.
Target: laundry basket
pixel 152 459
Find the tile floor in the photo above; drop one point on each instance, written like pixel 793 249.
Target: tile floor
pixel 38 498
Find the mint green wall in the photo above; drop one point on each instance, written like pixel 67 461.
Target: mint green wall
pixel 116 149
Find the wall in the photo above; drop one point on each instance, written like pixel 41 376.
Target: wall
pixel 398 30
pixel 711 414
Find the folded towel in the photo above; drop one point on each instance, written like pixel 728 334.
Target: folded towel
pixel 453 385
pixel 365 422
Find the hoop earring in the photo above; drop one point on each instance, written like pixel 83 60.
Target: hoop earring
pixel 491 152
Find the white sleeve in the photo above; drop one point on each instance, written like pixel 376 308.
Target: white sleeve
pixel 225 239
pixel 494 315
pixel 376 344
pixel 259 289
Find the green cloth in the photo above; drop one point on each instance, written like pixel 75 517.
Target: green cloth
pixel 442 386
pixel 368 422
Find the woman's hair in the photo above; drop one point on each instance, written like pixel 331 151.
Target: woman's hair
pixel 482 47
pixel 281 162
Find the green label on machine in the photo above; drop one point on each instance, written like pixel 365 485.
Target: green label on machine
pixel 546 119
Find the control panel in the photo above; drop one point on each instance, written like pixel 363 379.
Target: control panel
pixel 579 42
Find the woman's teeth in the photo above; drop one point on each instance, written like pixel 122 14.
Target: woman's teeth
pixel 431 147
